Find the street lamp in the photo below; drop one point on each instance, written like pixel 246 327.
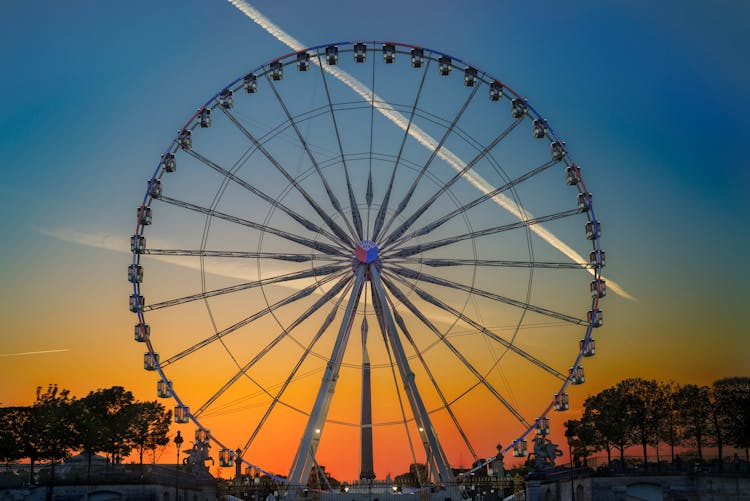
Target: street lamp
pixel 178 443
pixel 237 470
pixel 569 436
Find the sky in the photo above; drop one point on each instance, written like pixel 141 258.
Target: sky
pixel 651 100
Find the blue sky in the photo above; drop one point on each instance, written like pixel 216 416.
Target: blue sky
pixel 651 98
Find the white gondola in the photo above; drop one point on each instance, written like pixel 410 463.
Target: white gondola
pixel 470 77
pixel 557 149
pixel 154 188
pixel 226 99
pixel 417 58
pixel 277 70
pixel 444 65
pixel 389 53
pixel 185 139
pixel 181 414
pixel 539 128
pixel 576 375
pixel 137 244
pixel 168 162
pixel 596 258
pixel 598 319
pixel 135 273
pixel 572 175
pixel 542 426
pixel 593 229
pixel 250 83
pixel 226 458
pixel 303 61
pixel 518 108
pixel 141 332
pixel 598 288
pixel 163 388
pixel 584 202
pixel 205 118
pixel 136 302
pixel 562 403
pixel 144 215
pixel 202 435
pixel 332 55
pixel 587 349
pixel 150 361
pixel 360 52
pixel 496 91
pixel 519 448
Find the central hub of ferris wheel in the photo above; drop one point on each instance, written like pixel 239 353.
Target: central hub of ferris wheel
pixel 366 251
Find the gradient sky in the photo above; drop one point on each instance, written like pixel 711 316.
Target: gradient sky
pixel 651 98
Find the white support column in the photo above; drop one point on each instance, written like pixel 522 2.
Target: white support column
pixel 427 433
pixel 303 459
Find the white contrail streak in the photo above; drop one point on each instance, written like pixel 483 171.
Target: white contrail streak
pixel 116 243
pixel 423 138
pixel 32 353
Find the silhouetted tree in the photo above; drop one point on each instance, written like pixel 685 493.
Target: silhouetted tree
pixel 642 403
pixel 53 426
pixel 89 430
pixel 669 425
pixel 149 426
pixel 719 417
pixel 10 441
pixel 114 407
pixel 694 407
pixel 606 412
pixel 585 437
pixel 733 396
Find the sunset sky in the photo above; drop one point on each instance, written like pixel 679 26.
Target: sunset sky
pixel 651 100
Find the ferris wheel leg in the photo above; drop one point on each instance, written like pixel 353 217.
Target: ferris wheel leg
pixel 304 458
pixel 434 451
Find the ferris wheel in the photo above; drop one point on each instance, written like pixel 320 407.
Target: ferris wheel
pixel 367 254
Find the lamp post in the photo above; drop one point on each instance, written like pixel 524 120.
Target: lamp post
pixel 569 435
pixel 178 443
pixel 238 471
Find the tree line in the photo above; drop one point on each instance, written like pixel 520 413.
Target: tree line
pixel 107 420
pixel 649 413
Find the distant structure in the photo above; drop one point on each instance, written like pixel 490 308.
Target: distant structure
pixel 367 472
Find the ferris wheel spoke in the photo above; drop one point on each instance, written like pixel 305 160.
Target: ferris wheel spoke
pixel 324 299
pixel 313 244
pixel 302 463
pixel 248 320
pixel 380 218
pixel 337 230
pixel 356 216
pixel 416 275
pixel 420 248
pixel 278 256
pixel 368 190
pixel 395 234
pixel 428 228
pixel 306 223
pixel 481 379
pixel 331 196
pixel 426 296
pixel 410 192
pixel 446 405
pixel 308 349
pixel 441 263
pixel 288 277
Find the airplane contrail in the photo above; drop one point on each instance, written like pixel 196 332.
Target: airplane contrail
pixel 423 138
pixel 32 353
